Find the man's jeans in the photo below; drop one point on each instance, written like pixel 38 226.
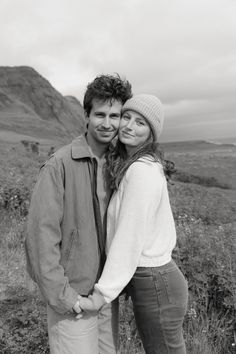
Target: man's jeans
pixel 159 297
pixel 92 334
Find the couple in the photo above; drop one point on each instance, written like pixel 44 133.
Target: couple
pixel 82 253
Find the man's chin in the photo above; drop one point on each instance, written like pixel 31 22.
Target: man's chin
pixel 106 138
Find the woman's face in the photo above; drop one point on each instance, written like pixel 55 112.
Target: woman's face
pixel 134 130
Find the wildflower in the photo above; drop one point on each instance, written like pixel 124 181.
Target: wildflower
pixel 192 313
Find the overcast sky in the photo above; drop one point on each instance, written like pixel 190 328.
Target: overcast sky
pixel 183 51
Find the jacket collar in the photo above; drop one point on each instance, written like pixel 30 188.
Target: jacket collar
pixel 80 148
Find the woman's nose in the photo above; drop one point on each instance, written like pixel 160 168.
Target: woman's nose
pixel 129 124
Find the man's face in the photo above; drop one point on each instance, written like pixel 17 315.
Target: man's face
pixel 103 121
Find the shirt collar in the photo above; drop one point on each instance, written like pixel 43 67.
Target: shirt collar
pixel 80 148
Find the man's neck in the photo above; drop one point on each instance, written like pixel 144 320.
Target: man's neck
pixel 97 148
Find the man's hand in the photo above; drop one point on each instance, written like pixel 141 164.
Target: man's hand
pixel 93 302
pixel 77 307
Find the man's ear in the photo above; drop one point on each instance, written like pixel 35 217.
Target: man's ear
pixel 86 115
pixel 86 119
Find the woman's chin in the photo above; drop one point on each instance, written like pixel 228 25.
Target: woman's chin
pixel 124 140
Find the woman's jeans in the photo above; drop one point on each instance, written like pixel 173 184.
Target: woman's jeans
pixel 159 296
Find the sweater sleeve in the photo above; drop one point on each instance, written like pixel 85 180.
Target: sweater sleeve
pixel 142 184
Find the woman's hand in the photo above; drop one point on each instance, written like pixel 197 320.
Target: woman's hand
pixel 92 303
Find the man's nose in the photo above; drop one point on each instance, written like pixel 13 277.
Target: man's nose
pixel 106 122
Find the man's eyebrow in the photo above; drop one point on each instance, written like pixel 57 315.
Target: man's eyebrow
pixel 99 112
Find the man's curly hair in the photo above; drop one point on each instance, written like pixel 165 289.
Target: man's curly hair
pixel 107 88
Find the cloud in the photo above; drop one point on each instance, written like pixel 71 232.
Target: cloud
pixel 181 50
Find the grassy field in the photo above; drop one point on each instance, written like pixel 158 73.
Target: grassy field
pixel 203 198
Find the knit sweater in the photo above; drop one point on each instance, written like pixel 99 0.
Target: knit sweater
pixel 140 227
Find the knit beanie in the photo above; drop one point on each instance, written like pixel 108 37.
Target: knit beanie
pixel 150 107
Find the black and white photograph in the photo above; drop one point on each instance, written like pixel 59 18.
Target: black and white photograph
pixel 117 177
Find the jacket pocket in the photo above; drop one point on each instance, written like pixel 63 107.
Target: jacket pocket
pixel 69 249
pixel 80 260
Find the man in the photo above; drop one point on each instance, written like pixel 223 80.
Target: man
pixel 65 237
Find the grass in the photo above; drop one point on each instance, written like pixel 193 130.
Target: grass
pixel 206 223
pixel 204 160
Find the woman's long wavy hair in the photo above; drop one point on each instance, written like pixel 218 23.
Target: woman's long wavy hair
pixel 118 161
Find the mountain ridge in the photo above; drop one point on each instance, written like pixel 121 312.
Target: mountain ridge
pixel 29 103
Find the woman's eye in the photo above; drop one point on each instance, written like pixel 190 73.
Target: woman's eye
pixel 126 117
pixel 140 123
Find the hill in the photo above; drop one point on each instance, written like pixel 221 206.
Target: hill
pixel 30 105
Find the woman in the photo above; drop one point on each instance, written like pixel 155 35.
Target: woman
pixel 141 232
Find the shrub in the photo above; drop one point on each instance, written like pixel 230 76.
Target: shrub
pixel 25 329
pixel 206 256
pixel 15 198
pixel 31 146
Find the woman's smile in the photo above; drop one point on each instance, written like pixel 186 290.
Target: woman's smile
pixel 126 134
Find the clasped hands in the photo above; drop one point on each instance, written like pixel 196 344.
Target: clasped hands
pixel 92 303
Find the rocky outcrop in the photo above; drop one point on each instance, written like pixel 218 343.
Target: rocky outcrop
pixel 24 91
pixel 5 100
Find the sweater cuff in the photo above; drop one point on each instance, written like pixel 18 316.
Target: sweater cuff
pixel 107 300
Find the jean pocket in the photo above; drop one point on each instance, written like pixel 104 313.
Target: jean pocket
pixel 140 284
pixel 176 287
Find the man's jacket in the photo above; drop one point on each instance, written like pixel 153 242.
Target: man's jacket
pixel 64 236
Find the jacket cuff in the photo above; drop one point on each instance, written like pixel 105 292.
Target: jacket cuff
pixel 65 306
